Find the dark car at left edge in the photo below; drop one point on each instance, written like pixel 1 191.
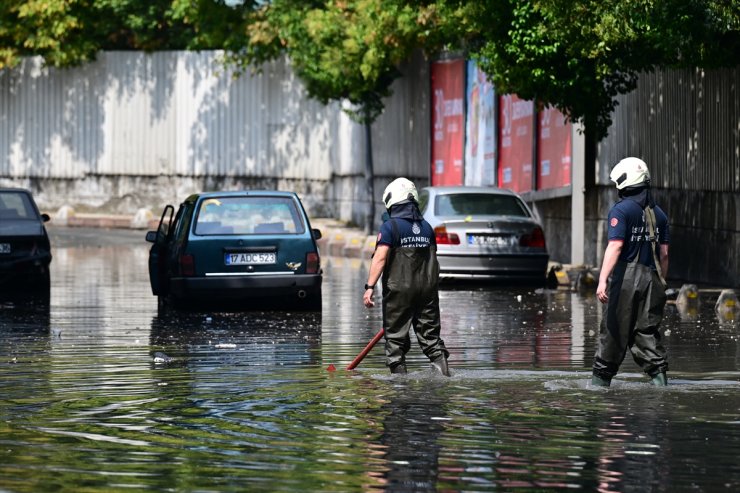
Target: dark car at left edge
pixel 25 251
pixel 244 248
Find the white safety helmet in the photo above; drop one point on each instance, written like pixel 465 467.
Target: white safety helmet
pixel 629 172
pixel 400 190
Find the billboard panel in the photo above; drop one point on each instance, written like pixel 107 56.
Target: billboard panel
pixel 554 149
pixel 480 129
pixel 515 155
pixel 447 122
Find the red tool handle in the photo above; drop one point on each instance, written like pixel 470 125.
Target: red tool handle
pixel 367 349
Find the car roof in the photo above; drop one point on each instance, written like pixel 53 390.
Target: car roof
pixel 15 190
pixel 442 189
pixel 240 193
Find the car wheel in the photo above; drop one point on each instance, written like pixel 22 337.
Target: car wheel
pixel 312 302
pixel 169 301
pixel 42 282
pixel 177 303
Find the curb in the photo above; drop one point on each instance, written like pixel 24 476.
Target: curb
pixel 337 240
pixel 66 216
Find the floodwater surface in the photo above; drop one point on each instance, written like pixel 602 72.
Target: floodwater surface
pixel 102 391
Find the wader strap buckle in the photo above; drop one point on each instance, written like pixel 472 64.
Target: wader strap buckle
pixel 650 219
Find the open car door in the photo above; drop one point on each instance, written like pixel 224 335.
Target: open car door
pixel 160 240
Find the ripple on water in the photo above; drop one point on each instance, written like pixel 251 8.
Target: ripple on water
pixel 244 401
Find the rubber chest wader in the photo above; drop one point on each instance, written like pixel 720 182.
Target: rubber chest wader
pixel 410 296
pixel 632 316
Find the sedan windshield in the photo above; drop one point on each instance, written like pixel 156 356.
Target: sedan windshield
pixel 479 204
pixel 16 205
pixel 248 215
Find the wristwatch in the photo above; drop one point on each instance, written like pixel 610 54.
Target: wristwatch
pixel 367 286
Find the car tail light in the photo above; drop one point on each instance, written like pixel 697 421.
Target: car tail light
pixel 536 239
pixel 187 265
pixel 312 263
pixel 445 238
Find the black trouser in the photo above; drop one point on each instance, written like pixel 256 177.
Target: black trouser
pixel 631 320
pixel 410 296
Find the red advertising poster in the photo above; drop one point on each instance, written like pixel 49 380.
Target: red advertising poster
pixel 515 158
pixel 448 91
pixel 554 148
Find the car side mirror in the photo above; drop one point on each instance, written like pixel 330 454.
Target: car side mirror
pixel 151 236
pixel 45 217
pixel 316 234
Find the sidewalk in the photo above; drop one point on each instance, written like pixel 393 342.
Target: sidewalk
pixel 337 240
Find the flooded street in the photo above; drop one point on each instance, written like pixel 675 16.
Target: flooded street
pixel 103 391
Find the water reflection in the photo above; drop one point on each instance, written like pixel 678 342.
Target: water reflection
pixel 413 425
pixel 517 328
pixel 243 401
pixel 250 338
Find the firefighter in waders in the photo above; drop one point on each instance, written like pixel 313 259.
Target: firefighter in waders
pixel 636 258
pixel 406 257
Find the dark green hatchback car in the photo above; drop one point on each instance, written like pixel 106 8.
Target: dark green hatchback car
pixel 245 247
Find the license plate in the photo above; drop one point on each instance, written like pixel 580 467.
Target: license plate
pixel 4 247
pixel 489 240
pixel 249 258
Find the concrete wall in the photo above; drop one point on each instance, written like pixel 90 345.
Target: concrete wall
pixel 705 233
pixel 555 215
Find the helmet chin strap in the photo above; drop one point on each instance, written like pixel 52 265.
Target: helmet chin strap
pixel 634 189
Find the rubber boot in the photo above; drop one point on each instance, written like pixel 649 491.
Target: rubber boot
pixel 597 381
pixel 660 380
pixel 400 369
pixel 440 364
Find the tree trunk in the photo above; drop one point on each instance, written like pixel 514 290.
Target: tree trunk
pixel 369 178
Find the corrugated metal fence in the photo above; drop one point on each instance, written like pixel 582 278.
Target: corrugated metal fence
pixel 685 124
pixel 183 114
pixel 172 113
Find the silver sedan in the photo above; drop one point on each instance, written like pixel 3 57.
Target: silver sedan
pixel 484 232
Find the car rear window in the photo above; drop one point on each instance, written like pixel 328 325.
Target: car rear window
pixel 247 216
pixel 16 205
pixel 478 204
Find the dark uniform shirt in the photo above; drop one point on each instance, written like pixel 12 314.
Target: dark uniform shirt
pixel 627 223
pixel 411 229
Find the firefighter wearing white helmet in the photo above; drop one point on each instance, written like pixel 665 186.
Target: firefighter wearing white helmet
pixel 406 259
pixel 632 278
pixel 399 190
pixel 630 172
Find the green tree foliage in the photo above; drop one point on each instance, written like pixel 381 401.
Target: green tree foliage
pixel 54 29
pixel 345 50
pixel 578 55
pixel 70 32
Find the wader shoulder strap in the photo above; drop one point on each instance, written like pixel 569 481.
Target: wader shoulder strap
pixel 650 219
